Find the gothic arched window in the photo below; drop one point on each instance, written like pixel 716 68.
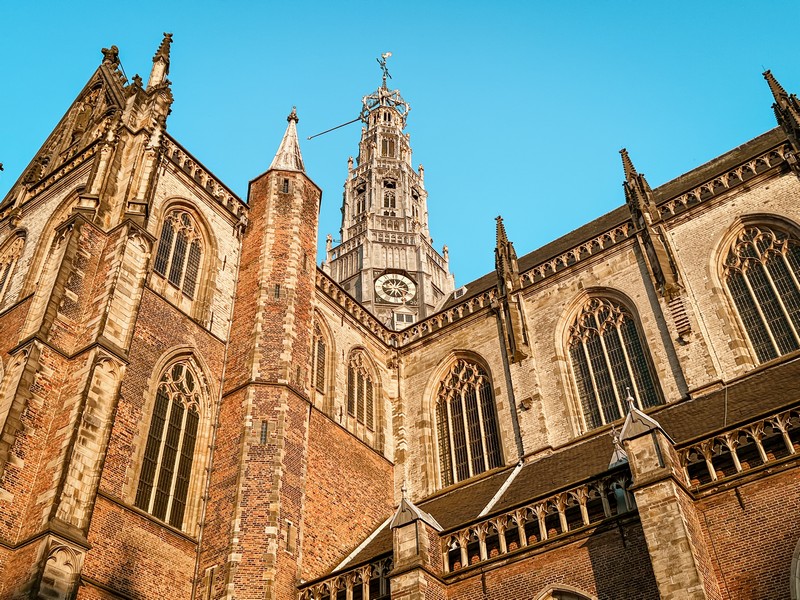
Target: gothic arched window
pixel 609 362
pixel 167 462
pixel 360 391
pixel 8 260
pixel 762 272
pixel 179 252
pixel 466 420
pixel 318 355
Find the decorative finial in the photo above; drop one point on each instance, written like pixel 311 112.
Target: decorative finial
pixel 163 49
pixel 384 68
pixel 776 88
pixel 629 399
pixel 111 56
pixel 293 115
pixel 404 489
pixel 501 230
pixel 627 165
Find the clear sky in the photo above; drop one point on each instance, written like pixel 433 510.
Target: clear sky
pixel 518 108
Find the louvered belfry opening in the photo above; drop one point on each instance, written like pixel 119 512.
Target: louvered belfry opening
pixel 469 440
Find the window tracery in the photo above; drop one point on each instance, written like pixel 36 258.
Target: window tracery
pixel 170 449
pixel 609 362
pixel 360 391
pixel 466 418
pixel 8 261
pixel 180 252
pixel 762 273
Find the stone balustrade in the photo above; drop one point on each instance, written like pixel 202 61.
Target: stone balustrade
pixel 364 582
pixel 741 449
pixel 538 522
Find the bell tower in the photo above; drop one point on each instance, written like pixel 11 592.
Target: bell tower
pixel 386 258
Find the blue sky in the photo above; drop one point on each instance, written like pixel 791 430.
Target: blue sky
pixel 518 108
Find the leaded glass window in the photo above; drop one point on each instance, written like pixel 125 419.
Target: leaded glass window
pixel 762 271
pixel 360 391
pixel 179 252
pixel 466 422
pixel 318 351
pixel 169 452
pixel 609 362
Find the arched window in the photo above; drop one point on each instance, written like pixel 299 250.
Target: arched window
pixel 360 391
pixel 8 260
pixel 318 356
pixel 179 252
pixel 609 362
pixel 762 271
pixel 169 452
pixel 466 419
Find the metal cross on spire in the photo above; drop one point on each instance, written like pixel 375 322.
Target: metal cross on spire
pixel 384 68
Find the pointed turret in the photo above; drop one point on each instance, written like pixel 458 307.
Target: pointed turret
pixel 787 113
pixel 505 259
pixel 288 157
pixel 160 69
pixel 638 193
pixel 645 215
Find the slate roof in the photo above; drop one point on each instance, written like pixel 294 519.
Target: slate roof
pixel 619 215
pixel 762 392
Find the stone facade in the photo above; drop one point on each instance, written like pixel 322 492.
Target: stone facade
pixel 191 408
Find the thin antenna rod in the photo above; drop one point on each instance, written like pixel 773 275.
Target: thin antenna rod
pixel 358 118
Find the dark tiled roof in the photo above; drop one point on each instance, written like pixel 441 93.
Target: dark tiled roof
pixel 619 215
pixel 762 392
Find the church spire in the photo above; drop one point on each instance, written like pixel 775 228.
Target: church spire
pixel 288 157
pixel 160 70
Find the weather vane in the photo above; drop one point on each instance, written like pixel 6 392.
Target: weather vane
pixel 384 68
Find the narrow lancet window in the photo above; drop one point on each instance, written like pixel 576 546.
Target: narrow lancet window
pixel 179 252
pixel 360 391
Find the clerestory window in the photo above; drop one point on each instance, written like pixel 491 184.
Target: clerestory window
pixel 169 453
pixel 466 420
pixel 179 252
pixel 762 273
pixel 609 362
pixel 360 391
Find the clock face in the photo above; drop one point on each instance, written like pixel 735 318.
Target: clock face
pixel 394 287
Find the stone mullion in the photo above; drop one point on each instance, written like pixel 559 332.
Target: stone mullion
pixel 757 304
pixel 463 541
pixel 451 445
pixel 540 512
pixel 786 314
pixel 628 363
pixel 177 463
pixel 466 430
pixel 478 401
pixel 604 497
pixel 790 269
pixel 595 391
pixel 611 376
pixel 159 458
pixel 500 525
pixel 561 506
pixel 480 532
pixel 757 432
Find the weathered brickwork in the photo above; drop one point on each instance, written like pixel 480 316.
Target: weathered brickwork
pixel 350 493
pixel 165 344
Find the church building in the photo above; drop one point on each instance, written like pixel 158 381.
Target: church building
pixel 193 405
